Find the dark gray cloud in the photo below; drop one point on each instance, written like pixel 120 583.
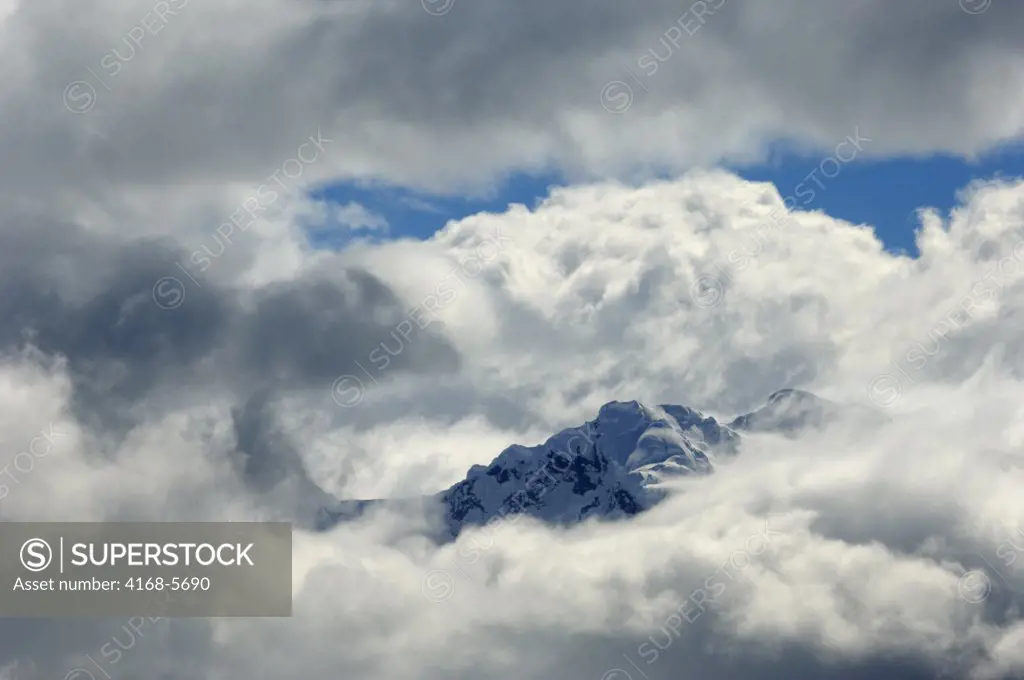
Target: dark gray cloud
pixel 487 88
pixel 73 294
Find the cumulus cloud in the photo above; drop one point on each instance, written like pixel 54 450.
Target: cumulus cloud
pixel 172 348
pixel 846 553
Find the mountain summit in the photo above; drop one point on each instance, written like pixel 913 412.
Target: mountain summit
pixel 790 411
pixel 609 467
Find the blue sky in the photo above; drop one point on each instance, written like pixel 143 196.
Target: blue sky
pixel 884 193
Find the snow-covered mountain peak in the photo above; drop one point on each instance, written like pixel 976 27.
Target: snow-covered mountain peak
pixel 610 467
pixel 790 411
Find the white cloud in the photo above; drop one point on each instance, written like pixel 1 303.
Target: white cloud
pixel 356 216
pixel 589 300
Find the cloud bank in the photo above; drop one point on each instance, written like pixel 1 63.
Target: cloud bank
pixel 173 348
pixel 843 554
